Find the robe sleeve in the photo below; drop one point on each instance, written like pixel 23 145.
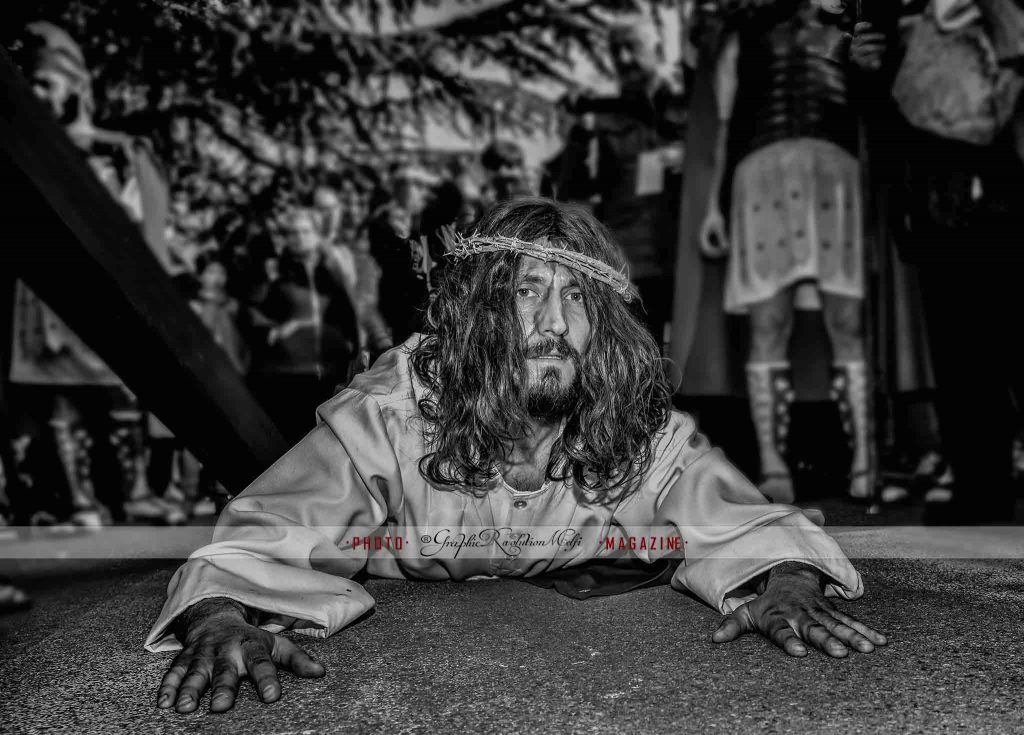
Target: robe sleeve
pixel 731 534
pixel 284 545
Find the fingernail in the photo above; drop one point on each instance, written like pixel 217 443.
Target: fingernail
pixel 163 700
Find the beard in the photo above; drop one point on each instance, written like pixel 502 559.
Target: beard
pixel 549 397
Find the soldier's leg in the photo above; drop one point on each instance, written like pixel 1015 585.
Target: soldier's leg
pixel 770 389
pixel 851 385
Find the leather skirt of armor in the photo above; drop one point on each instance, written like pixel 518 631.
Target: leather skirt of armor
pixel 795 222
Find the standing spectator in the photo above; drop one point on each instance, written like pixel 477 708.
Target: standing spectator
pixel 220 313
pixel 404 257
pixel 953 72
pixel 351 264
pixel 305 337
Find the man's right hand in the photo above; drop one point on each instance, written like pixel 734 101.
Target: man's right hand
pixel 220 649
pixel 868 47
pixel 713 241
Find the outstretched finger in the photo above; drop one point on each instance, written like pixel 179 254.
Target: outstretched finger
pixel 261 670
pixel 194 686
pixel 781 633
pixel 843 632
pixel 225 685
pixel 819 636
pixel 871 634
pixel 172 679
pixel 296 660
pixel 733 626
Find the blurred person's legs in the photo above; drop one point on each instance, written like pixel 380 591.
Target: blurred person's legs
pixel 163 471
pixel 128 438
pixel 13 495
pixel 74 443
pixel 770 389
pixel 44 496
pixel 11 492
pixel 974 310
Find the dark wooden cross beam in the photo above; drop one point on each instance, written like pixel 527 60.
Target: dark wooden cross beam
pixel 63 234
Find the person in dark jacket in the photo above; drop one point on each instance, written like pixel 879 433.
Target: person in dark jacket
pixel 305 336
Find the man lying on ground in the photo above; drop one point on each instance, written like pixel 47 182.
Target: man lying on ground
pixel 536 403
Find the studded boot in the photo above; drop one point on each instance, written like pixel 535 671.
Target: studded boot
pixel 850 392
pixel 770 388
pixel 74 449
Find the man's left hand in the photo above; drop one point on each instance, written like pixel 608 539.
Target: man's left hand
pixel 794 612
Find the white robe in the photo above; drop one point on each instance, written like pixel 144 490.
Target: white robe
pixel 285 545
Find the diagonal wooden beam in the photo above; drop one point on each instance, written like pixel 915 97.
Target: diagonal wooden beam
pixel 72 243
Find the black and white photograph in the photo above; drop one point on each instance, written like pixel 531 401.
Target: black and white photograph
pixel 511 366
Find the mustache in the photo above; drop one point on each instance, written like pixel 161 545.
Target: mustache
pixel 553 346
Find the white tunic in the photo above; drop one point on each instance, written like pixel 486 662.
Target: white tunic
pixel 288 544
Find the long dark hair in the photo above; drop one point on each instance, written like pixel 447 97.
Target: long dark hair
pixel 472 361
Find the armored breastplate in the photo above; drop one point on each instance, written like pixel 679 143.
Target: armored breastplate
pixel 791 84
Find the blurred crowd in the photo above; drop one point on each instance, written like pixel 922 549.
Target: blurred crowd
pixel 736 188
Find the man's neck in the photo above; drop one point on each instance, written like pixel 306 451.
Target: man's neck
pixel 526 464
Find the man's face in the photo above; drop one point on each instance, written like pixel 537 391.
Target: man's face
pixel 636 60
pixel 551 305
pixel 214 277
pixel 416 194
pixel 303 237
pixel 53 88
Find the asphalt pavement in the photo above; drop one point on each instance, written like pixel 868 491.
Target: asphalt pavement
pixel 507 657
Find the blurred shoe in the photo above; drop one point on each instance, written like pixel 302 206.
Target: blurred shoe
pixel 932 471
pixel 941 490
pixel 929 465
pixel 942 494
pixel 153 510
pixel 174 514
pixel 893 494
pixel 861 485
pixel 205 507
pixel 12 599
pixel 91 518
pixel 174 494
pixel 42 518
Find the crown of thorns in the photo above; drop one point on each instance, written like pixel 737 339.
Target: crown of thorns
pixel 460 247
